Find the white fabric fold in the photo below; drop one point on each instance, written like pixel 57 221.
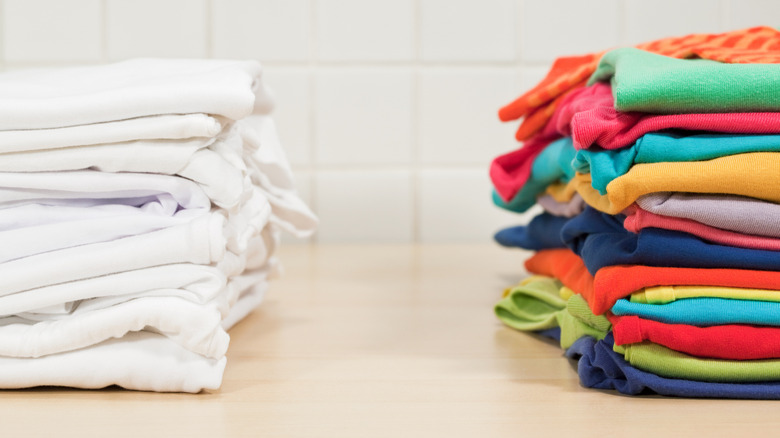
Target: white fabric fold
pixel 163 127
pixel 51 98
pixel 193 326
pixel 200 241
pixel 139 360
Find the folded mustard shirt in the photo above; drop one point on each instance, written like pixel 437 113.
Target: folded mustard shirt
pixel 756 175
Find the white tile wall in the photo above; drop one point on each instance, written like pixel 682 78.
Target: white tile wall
pixel 549 29
pixel 292 94
pixel 385 29
pixel 143 28
pixel 690 16
pixel 363 116
pixel 52 31
pixel 457 114
pixel 443 193
pixel 468 30
pixel 365 205
pixel 387 108
pixel 268 30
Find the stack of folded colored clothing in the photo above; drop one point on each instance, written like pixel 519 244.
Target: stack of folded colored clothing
pixel 658 254
pixel 140 210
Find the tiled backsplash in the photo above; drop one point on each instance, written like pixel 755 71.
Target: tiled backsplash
pixel 387 108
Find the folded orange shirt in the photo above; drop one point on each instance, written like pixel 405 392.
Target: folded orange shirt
pixel 615 282
pixel 753 45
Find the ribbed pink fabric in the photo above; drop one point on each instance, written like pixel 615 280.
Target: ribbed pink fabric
pixel 593 121
pixel 637 219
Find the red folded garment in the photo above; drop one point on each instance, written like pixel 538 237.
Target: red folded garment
pixel 731 342
pixel 615 282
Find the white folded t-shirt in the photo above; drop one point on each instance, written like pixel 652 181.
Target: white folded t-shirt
pixel 52 98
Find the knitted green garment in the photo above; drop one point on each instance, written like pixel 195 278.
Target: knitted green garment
pixel 646 82
pixel 664 362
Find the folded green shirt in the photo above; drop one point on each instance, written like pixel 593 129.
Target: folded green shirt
pixel 537 305
pixel 646 82
pixel 664 362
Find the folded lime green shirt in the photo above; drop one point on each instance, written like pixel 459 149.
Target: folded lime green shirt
pixel 532 306
pixel 664 362
pixel 667 294
pixel 646 82
pixel 537 305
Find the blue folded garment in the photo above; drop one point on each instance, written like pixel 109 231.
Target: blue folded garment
pixel 543 232
pixel 601 240
pixel 601 368
pixel 552 333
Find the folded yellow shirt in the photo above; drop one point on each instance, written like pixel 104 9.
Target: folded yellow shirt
pixel 667 294
pixel 756 175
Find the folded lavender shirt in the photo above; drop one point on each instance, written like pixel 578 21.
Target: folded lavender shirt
pixel 566 209
pixel 734 213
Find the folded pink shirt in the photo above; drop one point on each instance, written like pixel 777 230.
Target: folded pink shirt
pixel 637 219
pixel 593 121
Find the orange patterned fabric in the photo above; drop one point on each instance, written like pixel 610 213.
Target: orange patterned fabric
pixel 754 45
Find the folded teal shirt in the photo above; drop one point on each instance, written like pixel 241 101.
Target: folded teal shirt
pixel 646 82
pixel 704 312
pixel 606 165
pixel 551 165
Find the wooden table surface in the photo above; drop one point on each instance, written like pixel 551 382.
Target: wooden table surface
pixel 384 341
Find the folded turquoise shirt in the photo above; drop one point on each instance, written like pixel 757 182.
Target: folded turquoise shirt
pixel 646 82
pixel 553 164
pixel 704 312
pixel 606 165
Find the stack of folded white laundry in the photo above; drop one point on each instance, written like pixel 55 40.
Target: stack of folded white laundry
pixel 140 210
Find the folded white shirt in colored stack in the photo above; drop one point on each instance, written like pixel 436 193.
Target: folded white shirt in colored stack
pixel 140 209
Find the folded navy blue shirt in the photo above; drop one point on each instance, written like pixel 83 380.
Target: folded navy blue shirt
pixel 543 232
pixel 600 367
pixel 601 240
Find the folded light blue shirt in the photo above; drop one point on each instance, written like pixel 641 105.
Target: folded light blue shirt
pixel 704 312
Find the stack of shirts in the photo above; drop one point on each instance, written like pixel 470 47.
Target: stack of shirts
pixel 658 262
pixel 140 210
